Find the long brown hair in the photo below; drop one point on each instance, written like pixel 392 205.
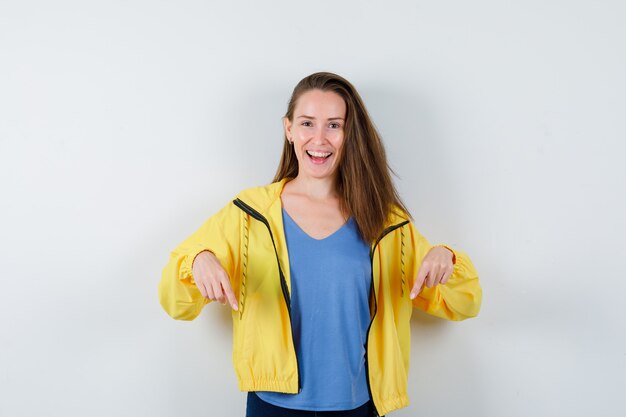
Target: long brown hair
pixel 363 178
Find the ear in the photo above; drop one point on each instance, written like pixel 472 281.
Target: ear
pixel 287 127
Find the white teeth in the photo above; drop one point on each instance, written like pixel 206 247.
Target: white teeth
pixel 319 154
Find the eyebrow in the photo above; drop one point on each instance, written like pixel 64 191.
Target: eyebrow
pixel 311 117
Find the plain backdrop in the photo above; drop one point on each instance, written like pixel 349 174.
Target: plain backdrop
pixel 124 125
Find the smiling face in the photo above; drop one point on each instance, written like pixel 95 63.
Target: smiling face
pixel 317 132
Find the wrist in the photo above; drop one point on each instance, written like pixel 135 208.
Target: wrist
pixel 451 251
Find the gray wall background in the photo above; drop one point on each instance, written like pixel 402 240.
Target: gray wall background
pixel 125 124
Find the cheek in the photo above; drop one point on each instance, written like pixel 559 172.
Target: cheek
pixel 338 141
pixel 299 151
pixel 298 132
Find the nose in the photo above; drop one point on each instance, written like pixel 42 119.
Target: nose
pixel 319 135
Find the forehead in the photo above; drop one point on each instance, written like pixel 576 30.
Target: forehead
pixel 321 103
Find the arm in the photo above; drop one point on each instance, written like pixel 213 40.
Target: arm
pixel 460 297
pixel 178 294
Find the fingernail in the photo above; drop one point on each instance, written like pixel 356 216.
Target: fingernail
pixel 412 295
pixel 235 307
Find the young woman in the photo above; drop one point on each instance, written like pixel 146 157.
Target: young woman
pixel 322 268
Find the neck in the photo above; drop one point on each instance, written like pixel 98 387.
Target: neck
pixel 315 188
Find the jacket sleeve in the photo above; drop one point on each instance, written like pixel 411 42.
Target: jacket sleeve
pixel 178 294
pixel 460 297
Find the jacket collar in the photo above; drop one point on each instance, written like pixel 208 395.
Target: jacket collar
pixel 266 200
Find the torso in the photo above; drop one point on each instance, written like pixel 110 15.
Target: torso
pixel 318 219
pixel 331 276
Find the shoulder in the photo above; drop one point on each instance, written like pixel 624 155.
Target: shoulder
pixel 262 196
pixel 397 215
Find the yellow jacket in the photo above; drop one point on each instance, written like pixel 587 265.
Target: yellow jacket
pixel 247 236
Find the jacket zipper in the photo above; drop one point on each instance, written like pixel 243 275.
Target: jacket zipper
pixel 283 282
pixel 372 289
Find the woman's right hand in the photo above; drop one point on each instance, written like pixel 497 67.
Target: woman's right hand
pixel 211 279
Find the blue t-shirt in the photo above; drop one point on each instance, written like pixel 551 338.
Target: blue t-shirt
pixel 330 286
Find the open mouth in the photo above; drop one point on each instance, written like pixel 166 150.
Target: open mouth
pixel 318 157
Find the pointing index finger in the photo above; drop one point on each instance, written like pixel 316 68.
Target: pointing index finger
pixel 229 294
pixel 419 282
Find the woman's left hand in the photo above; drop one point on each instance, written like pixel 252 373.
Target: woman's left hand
pixel 435 269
